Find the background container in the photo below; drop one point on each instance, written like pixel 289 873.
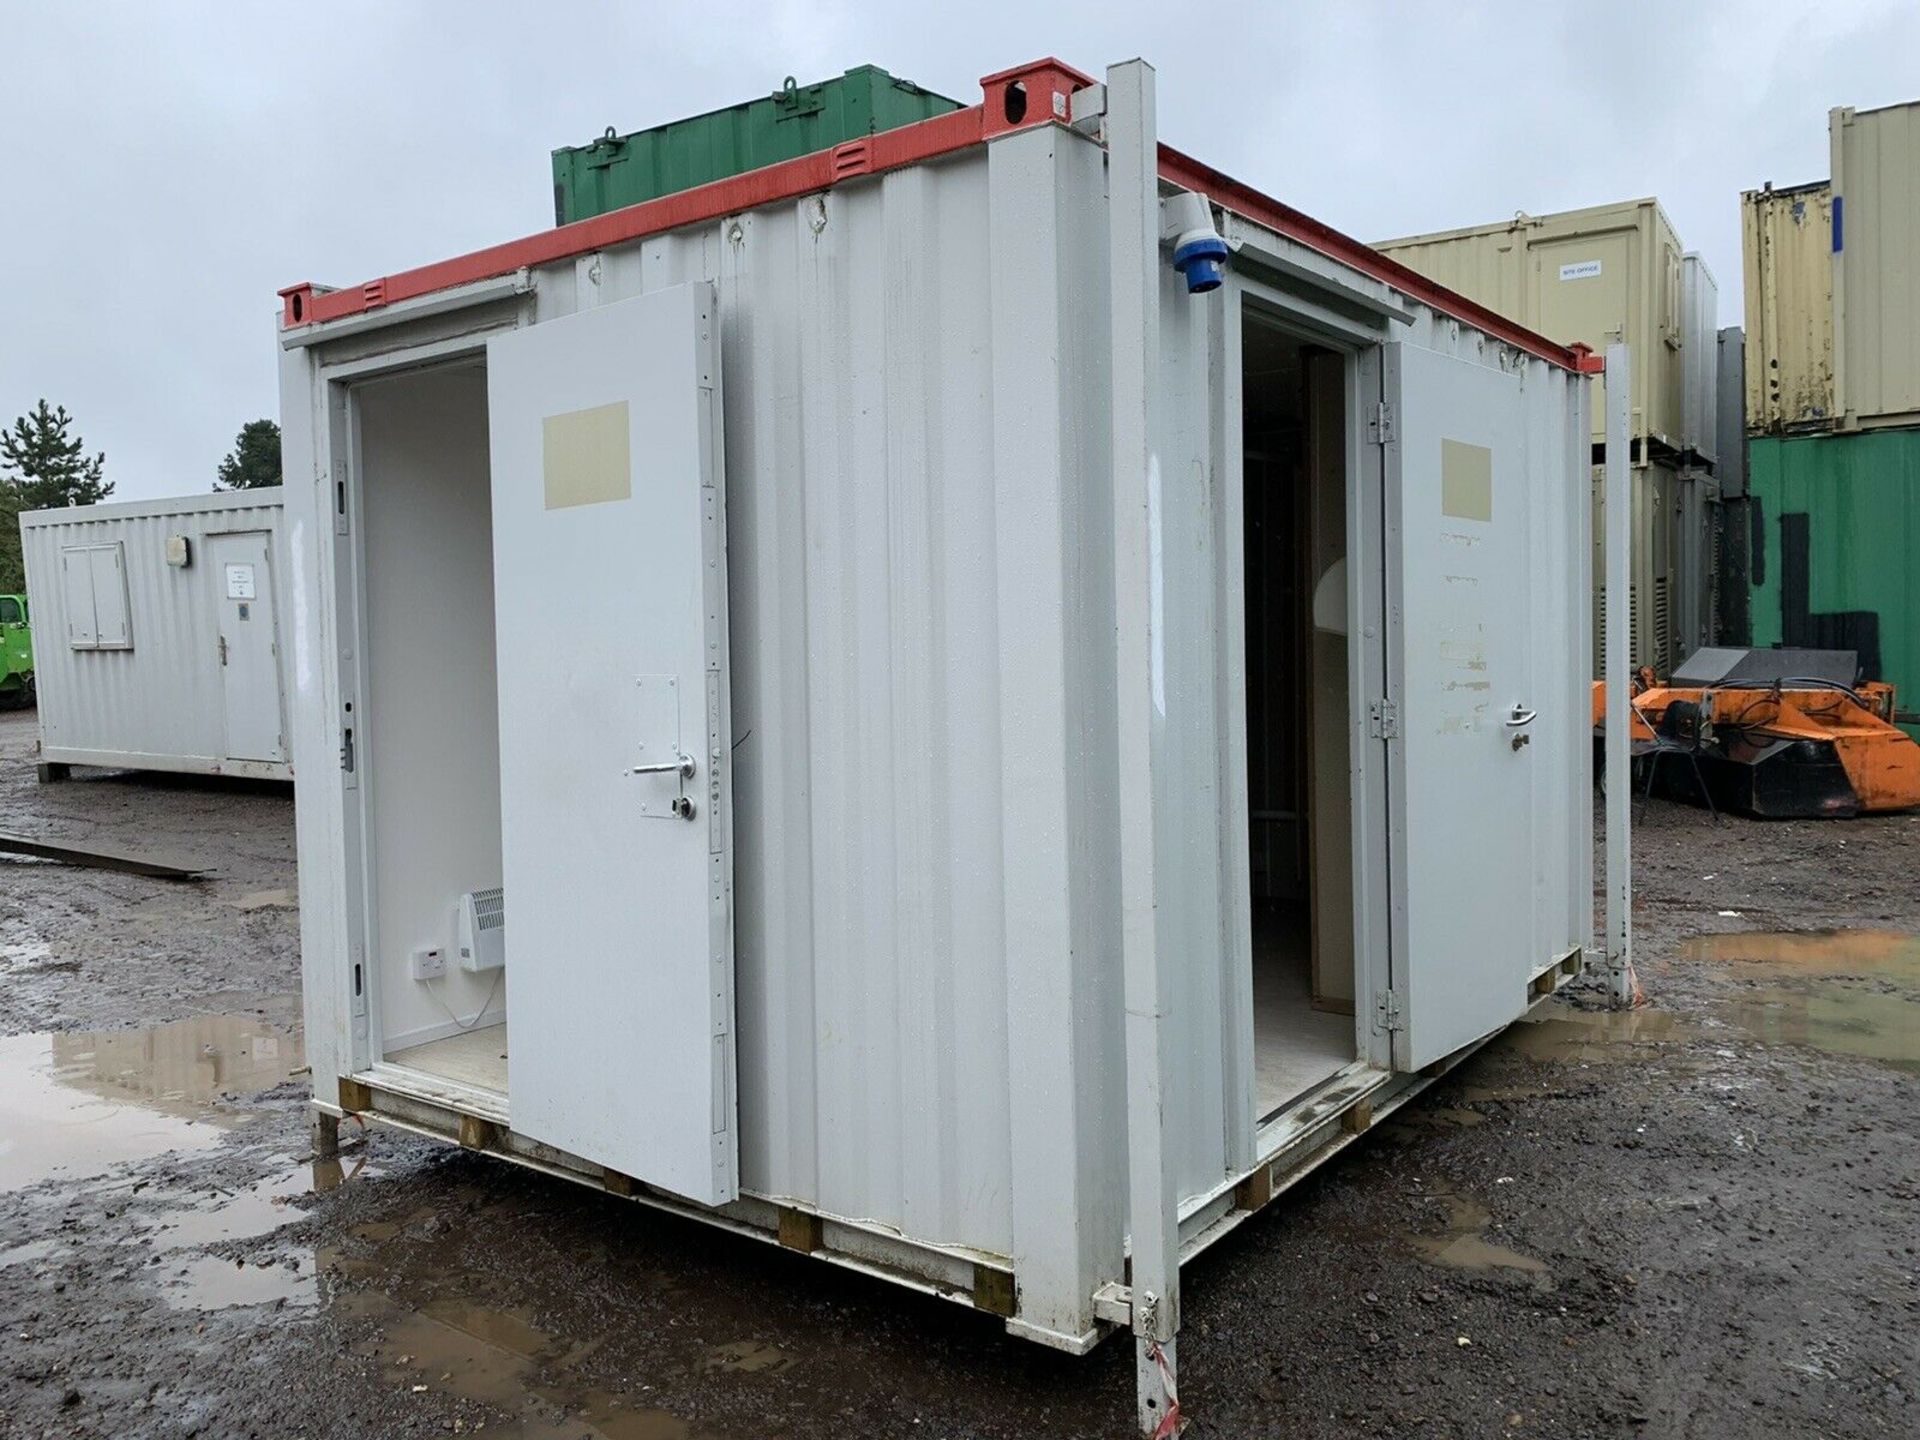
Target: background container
pixel 620 170
pixel 1653 637
pixel 157 634
pixel 1606 272
pixel 1876 272
pixel 1833 530
pixel 1732 623
pixel 1700 362
pixel 1787 257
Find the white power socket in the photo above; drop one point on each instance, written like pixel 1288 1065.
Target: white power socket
pixel 429 963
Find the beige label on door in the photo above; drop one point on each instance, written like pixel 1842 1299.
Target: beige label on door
pixel 585 456
pixel 1466 480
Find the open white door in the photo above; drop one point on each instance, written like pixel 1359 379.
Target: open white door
pixel 610 597
pixel 1462 708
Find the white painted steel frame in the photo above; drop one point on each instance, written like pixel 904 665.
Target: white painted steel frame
pixel 1619 828
pixel 1024 169
pixel 799 414
pixel 1139 580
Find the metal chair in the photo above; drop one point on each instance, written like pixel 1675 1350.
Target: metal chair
pixel 1678 733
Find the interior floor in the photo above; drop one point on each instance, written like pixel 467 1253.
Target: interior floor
pixel 1295 1047
pixel 473 1057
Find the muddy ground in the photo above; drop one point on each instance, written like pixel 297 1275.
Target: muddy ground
pixel 1697 1219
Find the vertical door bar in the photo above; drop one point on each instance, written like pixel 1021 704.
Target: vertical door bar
pixel 1619 508
pixel 1133 216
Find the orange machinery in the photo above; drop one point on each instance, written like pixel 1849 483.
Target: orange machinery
pixel 1781 734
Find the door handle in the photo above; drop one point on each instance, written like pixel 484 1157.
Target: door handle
pixel 682 767
pixel 1518 719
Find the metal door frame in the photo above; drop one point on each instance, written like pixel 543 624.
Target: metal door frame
pixel 1359 343
pixel 342 548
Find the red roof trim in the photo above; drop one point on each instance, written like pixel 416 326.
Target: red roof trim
pixel 1230 194
pixel 1047 84
pixel 888 150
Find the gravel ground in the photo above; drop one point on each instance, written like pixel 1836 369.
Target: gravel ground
pixel 1694 1219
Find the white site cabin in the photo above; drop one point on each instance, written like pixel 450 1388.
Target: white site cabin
pixel 159 634
pixel 942 747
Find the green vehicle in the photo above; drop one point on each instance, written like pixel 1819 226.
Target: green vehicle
pixel 16 652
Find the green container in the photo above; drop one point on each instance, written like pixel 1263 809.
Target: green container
pixel 620 170
pixel 1834 532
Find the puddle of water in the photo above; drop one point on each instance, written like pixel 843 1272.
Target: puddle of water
pixel 212 1216
pixel 1463 1244
pixel 1843 992
pixel 497 1357
pixel 211 1282
pixel 265 900
pixel 1581 1037
pixel 78 1103
pixel 33 1252
pixel 1831 952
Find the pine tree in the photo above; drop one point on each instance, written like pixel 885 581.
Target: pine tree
pixel 254 461
pixel 13 571
pixel 43 468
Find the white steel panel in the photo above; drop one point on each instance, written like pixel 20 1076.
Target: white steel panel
pixel 155 699
pixel 610 593
pixel 921 596
pixel 240 568
pixel 76 592
pixel 110 628
pixel 1457 470
pixel 878 487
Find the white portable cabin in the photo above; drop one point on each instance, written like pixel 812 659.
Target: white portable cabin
pixel 985 762
pixel 159 633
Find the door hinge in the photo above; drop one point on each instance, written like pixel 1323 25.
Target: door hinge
pixel 1383 720
pixel 1380 424
pixel 1388 1011
pixel 223 649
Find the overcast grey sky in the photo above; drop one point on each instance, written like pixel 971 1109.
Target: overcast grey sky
pixel 167 167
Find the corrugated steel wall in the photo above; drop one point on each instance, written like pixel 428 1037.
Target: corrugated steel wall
pixel 1834 527
pixel 1876 187
pixel 923 812
pixel 1787 250
pixel 160 703
pixel 928 991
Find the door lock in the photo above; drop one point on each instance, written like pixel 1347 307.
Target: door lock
pixel 683 807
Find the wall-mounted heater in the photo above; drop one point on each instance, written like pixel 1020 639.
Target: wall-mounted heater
pixel 483 929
